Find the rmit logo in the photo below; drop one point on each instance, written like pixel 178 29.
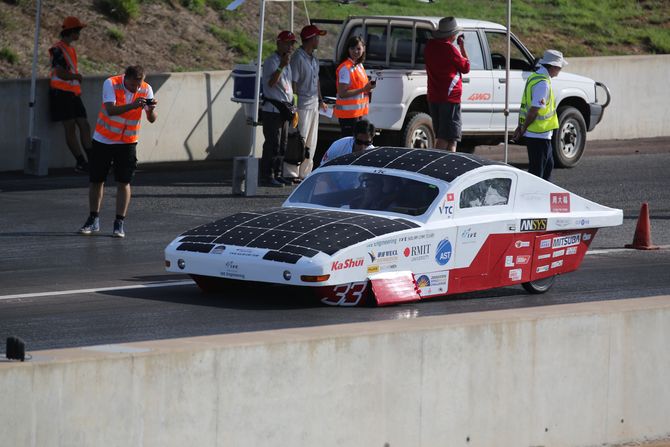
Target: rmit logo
pixel 479 97
pixel 533 225
pixel 349 263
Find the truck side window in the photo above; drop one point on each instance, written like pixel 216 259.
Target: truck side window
pixel 422 36
pixel 401 45
pixel 375 46
pixel 474 49
pixel 498 47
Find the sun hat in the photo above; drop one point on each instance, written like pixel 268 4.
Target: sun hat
pixel 553 57
pixel 447 27
pixel 310 31
pixel 72 22
pixel 286 36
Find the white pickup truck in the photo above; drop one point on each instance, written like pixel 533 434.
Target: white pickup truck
pixel 399 106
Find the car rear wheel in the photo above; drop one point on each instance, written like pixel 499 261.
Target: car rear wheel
pixel 418 133
pixel 539 285
pixel 569 139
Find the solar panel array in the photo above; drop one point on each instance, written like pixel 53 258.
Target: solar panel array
pixel 290 233
pixel 435 163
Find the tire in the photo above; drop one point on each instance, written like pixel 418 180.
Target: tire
pixel 569 139
pixel 540 285
pixel 418 133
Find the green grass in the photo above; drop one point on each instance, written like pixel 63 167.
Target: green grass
pixel 115 34
pixel 243 44
pixel 9 55
pixel 120 10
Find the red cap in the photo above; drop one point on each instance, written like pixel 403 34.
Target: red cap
pixel 286 36
pixel 72 22
pixel 310 31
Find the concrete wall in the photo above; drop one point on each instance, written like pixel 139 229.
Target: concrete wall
pixel 197 120
pixel 571 375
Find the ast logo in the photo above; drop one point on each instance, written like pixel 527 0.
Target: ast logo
pixel 533 225
pixel 349 263
pixel 443 252
pixel 559 202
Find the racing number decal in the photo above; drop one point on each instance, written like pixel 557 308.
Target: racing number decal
pixel 346 294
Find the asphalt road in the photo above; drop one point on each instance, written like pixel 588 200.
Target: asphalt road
pixel 59 289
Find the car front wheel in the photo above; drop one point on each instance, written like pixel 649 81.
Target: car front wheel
pixel 569 139
pixel 539 285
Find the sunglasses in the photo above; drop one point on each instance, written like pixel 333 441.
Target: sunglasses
pixel 363 142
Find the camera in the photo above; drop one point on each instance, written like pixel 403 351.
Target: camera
pixel 373 82
pixel 149 102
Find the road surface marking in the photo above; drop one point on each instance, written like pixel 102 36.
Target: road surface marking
pixel 99 289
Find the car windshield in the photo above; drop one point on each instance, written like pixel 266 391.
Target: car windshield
pixel 366 191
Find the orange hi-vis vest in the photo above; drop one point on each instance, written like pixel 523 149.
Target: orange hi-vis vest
pixel 126 126
pixel 352 106
pixel 71 58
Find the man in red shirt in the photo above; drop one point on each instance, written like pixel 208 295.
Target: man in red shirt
pixel 445 63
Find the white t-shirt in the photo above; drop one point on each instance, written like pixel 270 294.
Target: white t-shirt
pixel 539 97
pixel 108 95
pixel 340 147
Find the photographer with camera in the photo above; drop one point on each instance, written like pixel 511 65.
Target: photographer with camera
pixel 115 141
pixel 446 60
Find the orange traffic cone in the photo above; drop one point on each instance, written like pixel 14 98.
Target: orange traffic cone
pixel 642 238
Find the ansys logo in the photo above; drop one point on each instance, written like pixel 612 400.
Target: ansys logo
pixel 533 225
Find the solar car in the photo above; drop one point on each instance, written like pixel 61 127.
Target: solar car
pixel 392 225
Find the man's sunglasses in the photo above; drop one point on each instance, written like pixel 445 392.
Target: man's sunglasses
pixel 364 142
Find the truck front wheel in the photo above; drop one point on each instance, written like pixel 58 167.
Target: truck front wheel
pixel 417 133
pixel 569 139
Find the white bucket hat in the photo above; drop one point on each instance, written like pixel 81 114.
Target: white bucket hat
pixel 553 57
pixel 447 27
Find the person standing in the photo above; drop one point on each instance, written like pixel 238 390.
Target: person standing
pixel 65 92
pixel 278 93
pixel 364 132
pixel 353 86
pixel 446 62
pixel 305 72
pixel 115 142
pixel 537 116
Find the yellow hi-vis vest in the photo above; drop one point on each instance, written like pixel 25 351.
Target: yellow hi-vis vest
pixel 546 119
pixel 126 126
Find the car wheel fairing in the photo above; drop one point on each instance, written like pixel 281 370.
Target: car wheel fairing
pixel 539 285
pixel 569 139
pixel 418 131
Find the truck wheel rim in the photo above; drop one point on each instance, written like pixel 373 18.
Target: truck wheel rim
pixel 570 139
pixel 420 139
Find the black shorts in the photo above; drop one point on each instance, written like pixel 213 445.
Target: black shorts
pixel 65 105
pixel 446 120
pixel 103 156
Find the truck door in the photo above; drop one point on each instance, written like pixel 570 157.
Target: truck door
pixel 521 65
pixel 476 101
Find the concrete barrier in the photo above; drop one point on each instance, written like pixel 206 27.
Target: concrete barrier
pixel 197 120
pixel 572 375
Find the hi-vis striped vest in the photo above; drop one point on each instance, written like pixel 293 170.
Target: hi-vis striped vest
pixel 352 106
pixel 124 127
pixel 70 56
pixel 546 119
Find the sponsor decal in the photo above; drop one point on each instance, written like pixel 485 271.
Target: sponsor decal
pixel 423 281
pixel 347 264
pixel 533 225
pixel 479 97
pixel 509 261
pixel 559 202
pixel 372 255
pixel 558 253
pixel 586 237
pixel 416 237
pixel 521 244
pixel 468 236
pixel 443 252
pixel 561 223
pixel 373 269
pixel 566 241
pixel 556 264
pixel 450 196
pixel 543 268
pixel 511 227
pixel 232 270
pixel 571 251
pixel 523 259
pixel 245 252
pixel 218 249
pixel 438 280
pixel 382 243
pixel 545 256
pixel 346 294
pixel 232 265
pixel 446 209
pixel 417 250
pixel 515 274
pixel 385 256
pixel 582 222
pixel 232 275
pixel 545 243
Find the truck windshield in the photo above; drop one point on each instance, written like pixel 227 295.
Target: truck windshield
pixel 366 191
